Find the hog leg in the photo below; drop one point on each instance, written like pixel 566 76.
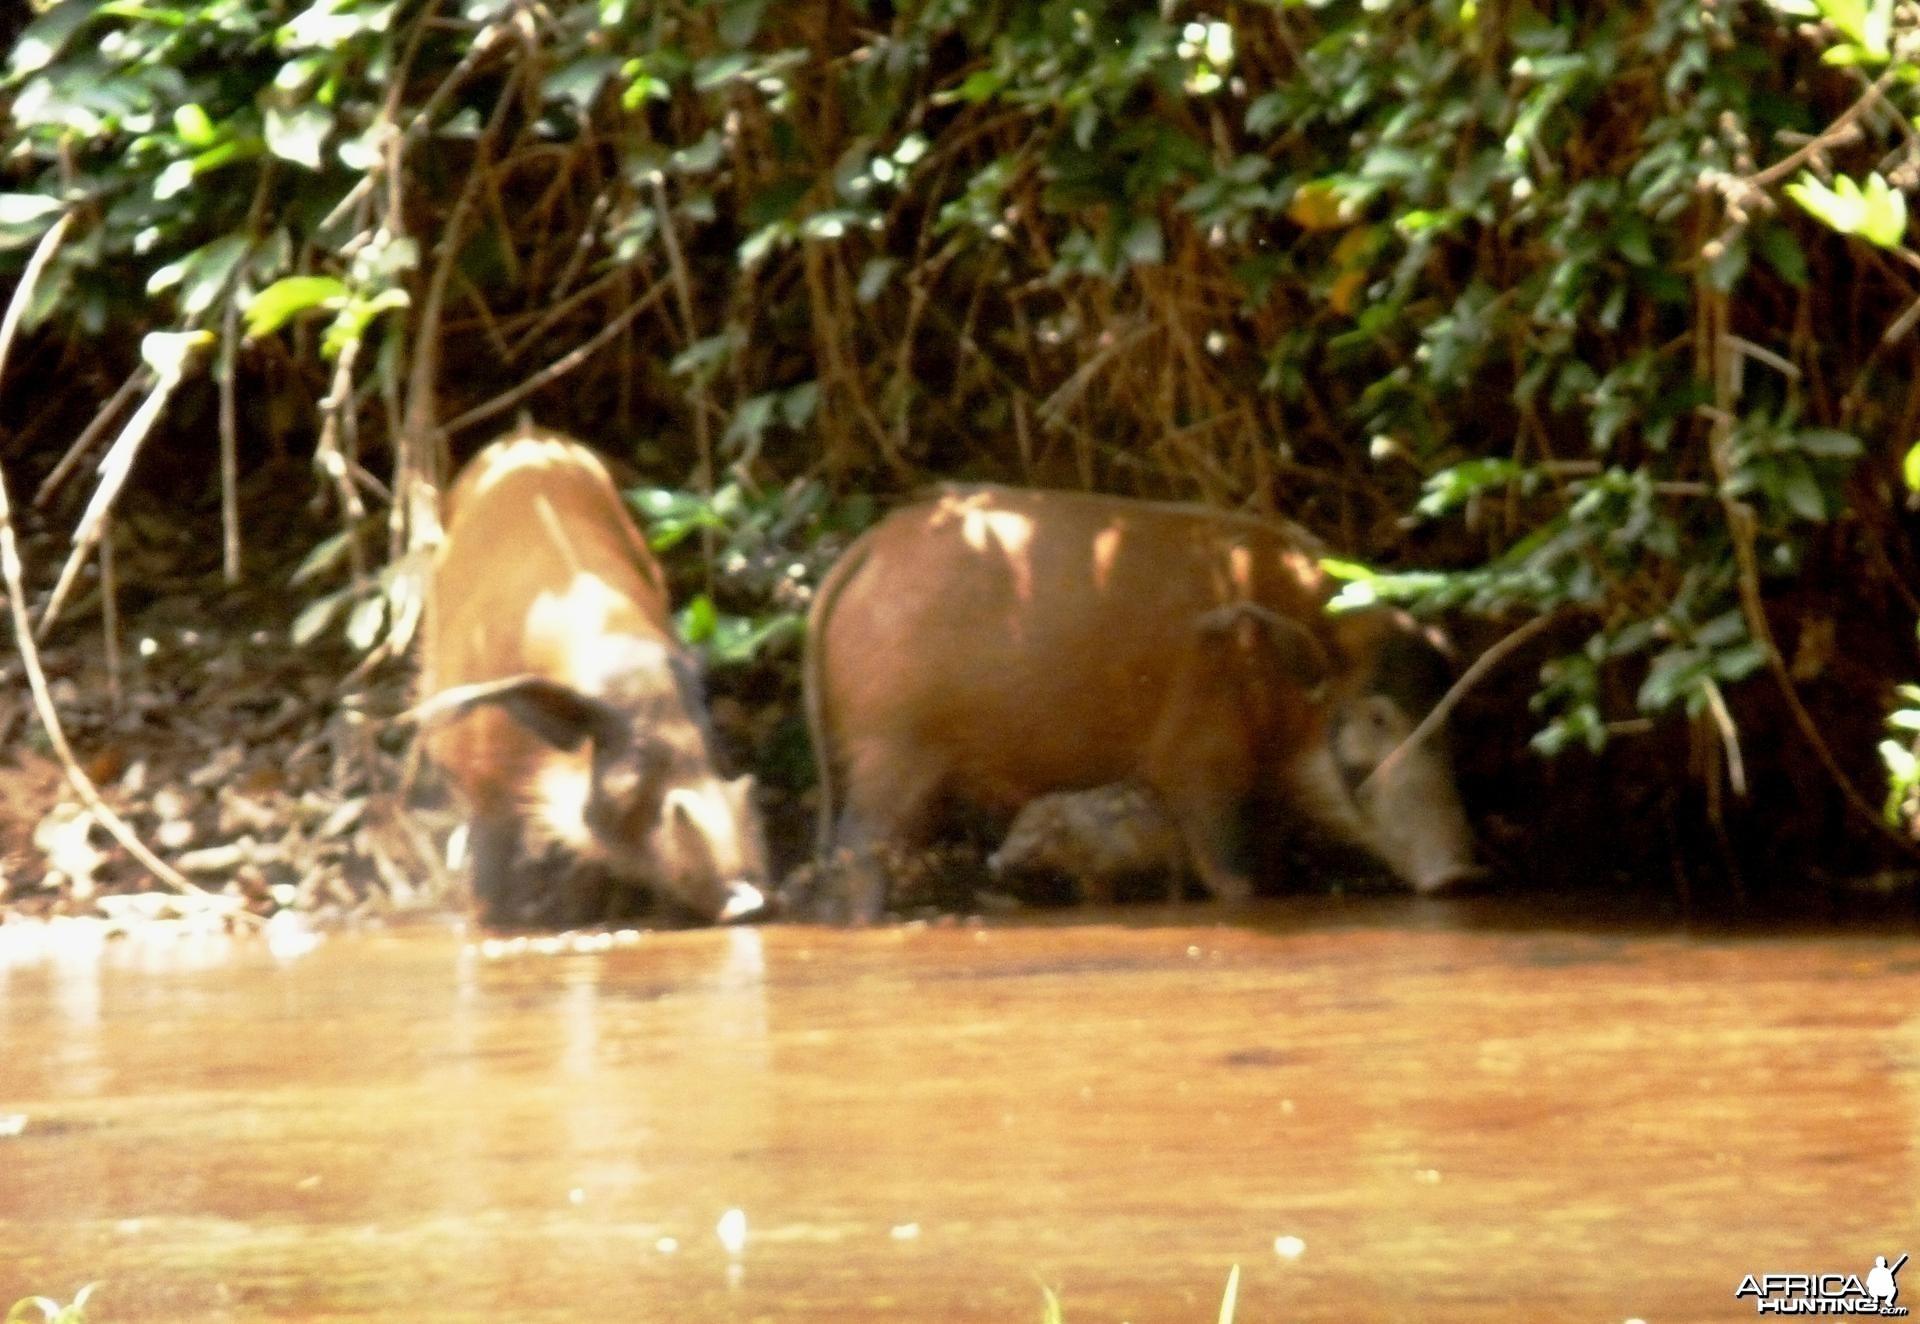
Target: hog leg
pixel 493 841
pixel 890 795
pixel 1210 826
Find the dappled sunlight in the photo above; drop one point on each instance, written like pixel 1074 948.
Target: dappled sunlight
pixel 584 608
pixel 987 530
pixel 1106 550
pixel 518 455
pixel 1240 570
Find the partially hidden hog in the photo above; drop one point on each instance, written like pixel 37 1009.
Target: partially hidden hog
pixel 1099 839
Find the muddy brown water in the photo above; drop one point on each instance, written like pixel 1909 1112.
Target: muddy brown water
pixel 1389 1110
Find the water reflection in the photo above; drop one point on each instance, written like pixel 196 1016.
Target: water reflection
pixel 1377 1113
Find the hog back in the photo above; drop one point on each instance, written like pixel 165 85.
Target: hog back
pixel 1006 643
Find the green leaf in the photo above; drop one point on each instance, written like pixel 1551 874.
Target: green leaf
pixel 354 319
pixel 751 418
pixel 1829 443
pixel 1876 212
pixel 288 297
pixel 1350 571
pixel 1883 218
pixel 24 217
pixel 202 274
pixel 703 358
pixel 1454 486
pixel 315 616
pixel 171 182
pixel 1876 28
pixel 720 70
pixel 297 135
pixel 1739 662
pixel 1143 244
pixel 699 157
pixel 1672 675
pixel 698 619
pixel 1781 249
pixel 47 35
pixel 1724 629
pixel 329 24
pixel 1729 264
pixel 797 404
pixel 740 639
pixel 28 209
pixel 836 223
pixel 1901 762
pixel 171 353
pixel 193 126
pixel 740 19
pixel 1839 207
pixel 1802 493
pixel 581 81
pixel 981 85
pixel 330 552
pixel 1850 16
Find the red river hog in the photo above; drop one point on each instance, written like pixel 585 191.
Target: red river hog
pixel 561 705
pixel 988 646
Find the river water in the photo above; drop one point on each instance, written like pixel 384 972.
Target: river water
pixel 1389 1109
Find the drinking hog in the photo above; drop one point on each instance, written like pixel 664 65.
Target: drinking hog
pixel 991 645
pixel 559 702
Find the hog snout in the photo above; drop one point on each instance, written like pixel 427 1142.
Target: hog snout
pixel 1406 795
pixel 1419 825
pixel 743 901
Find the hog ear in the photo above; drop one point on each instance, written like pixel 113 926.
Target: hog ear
pixel 559 714
pixel 1302 657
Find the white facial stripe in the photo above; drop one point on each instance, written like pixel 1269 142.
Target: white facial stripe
pixel 559 809
pixel 712 819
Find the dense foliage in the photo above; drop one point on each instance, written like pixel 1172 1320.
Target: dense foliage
pixel 1544 299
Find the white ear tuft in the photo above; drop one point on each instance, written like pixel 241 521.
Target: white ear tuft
pixel 678 806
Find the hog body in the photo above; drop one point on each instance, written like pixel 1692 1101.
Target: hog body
pixel 560 704
pixel 1098 838
pixel 992 645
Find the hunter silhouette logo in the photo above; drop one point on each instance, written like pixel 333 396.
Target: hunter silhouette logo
pixel 1826 1293
pixel 1880 1284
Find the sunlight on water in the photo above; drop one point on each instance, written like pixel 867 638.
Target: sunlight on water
pixel 923 1122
